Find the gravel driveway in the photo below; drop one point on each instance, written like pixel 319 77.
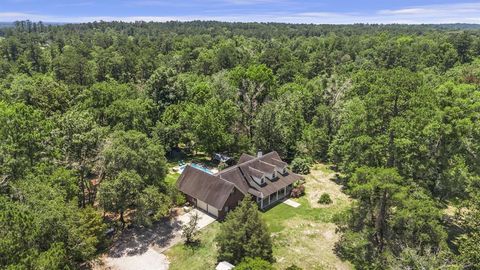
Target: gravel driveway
pixel 141 248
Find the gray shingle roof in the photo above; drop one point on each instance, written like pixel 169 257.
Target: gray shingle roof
pixel 241 175
pixel 203 186
pixel 215 189
pixel 244 158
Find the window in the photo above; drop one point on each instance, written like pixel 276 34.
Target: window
pixel 226 208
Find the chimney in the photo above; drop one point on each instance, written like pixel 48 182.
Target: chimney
pixel 259 153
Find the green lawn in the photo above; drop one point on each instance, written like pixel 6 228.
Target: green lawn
pixel 304 236
pixel 198 258
pixel 171 178
pixel 282 213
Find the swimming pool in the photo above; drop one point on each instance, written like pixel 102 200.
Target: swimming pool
pixel 196 166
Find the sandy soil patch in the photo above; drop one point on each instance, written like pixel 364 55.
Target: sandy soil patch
pixel 142 248
pixel 308 243
pixel 305 241
pixel 321 180
pixel 150 260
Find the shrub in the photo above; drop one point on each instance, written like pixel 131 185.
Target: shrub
pixel 298 191
pixel 325 199
pixel 177 197
pixel 301 165
pixel 254 264
pixel 293 267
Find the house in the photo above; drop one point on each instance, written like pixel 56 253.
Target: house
pixel 265 177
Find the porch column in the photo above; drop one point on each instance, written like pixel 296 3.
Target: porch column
pixel 276 196
pixel 269 198
pixel 261 202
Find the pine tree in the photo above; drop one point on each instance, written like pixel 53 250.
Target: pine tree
pixel 244 234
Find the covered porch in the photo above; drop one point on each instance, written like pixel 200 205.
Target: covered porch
pixel 271 199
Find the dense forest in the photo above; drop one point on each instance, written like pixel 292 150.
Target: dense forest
pixel 90 114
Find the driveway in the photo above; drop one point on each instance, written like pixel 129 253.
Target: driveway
pixel 141 248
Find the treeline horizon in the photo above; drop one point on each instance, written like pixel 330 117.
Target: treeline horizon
pixel 23 24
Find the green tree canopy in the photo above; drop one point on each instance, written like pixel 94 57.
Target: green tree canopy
pixel 134 151
pixel 389 216
pixel 244 234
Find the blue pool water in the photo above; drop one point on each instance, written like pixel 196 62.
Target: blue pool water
pixel 196 166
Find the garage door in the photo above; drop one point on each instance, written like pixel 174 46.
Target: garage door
pixel 213 211
pixel 202 205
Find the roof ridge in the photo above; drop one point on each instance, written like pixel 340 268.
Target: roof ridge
pixel 279 160
pixel 269 164
pixel 235 185
pixel 252 168
pixel 246 162
pixel 213 175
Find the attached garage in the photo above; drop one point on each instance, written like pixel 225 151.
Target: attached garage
pixel 207 208
pixel 202 205
pixel 213 211
pixel 208 192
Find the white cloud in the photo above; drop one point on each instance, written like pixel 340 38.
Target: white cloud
pixel 202 3
pixel 251 2
pixel 458 8
pixel 403 11
pixel 447 13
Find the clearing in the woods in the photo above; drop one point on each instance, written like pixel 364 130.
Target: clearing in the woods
pixel 304 236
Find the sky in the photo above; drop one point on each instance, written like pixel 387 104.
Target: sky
pixel 288 11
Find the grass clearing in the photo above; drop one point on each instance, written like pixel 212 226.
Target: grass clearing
pixel 304 236
pixel 320 181
pixel 199 258
pixel 171 178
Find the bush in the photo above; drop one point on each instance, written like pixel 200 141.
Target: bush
pixel 177 197
pixel 254 264
pixel 293 267
pixel 325 199
pixel 301 165
pixel 298 191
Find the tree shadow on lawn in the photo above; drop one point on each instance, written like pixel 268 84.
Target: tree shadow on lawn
pixel 340 180
pixel 193 246
pixel 136 240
